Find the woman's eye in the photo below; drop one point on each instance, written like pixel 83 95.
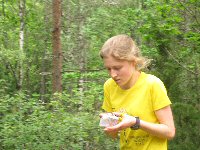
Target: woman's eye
pixel 114 68
pixel 117 68
pixel 108 69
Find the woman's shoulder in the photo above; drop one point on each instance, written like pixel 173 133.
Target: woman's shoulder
pixel 150 78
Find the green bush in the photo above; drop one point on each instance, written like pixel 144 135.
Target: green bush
pixel 28 124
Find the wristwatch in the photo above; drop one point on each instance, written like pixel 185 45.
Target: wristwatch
pixel 136 126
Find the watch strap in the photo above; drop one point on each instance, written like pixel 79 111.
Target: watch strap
pixel 136 126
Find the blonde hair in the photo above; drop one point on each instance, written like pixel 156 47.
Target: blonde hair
pixel 123 47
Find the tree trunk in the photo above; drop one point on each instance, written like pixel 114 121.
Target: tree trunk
pixel 80 49
pixel 5 36
pixel 57 52
pixel 21 43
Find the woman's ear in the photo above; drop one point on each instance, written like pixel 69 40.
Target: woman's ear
pixel 134 63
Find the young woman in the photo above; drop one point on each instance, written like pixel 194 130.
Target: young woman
pixel 141 99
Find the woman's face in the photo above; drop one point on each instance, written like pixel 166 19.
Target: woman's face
pixel 121 71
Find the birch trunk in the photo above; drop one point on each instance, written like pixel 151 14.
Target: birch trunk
pixel 21 43
pixel 44 73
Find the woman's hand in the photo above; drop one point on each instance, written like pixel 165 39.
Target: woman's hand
pixel 126 122
pixel 112 134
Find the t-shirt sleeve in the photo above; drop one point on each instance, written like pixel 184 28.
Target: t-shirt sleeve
pixel 106 103
pixel 159 95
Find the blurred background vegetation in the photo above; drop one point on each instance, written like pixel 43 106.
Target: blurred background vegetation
pixel 34 116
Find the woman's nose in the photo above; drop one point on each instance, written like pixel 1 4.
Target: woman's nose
pixel 113 73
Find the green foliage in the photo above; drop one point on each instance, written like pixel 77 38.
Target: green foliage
pixel 27 124
pixel 187 127
pixel 166 31
pixel 92 91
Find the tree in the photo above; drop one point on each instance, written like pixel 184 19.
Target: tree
pixel 21 42
pixel 57 52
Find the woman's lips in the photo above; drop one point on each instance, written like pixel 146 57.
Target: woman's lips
pixel 117 80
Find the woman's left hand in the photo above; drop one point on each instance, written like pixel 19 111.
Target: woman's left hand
pixel 126 122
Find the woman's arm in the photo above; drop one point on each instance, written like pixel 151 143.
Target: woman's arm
pixel 165 128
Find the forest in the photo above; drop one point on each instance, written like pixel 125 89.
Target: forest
pixel 51 74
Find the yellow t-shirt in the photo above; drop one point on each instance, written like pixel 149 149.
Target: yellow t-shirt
pixel 147 95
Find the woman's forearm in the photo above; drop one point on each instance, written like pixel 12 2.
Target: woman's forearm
pixel 159 130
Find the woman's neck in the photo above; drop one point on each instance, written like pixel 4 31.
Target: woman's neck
pixel 132 81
